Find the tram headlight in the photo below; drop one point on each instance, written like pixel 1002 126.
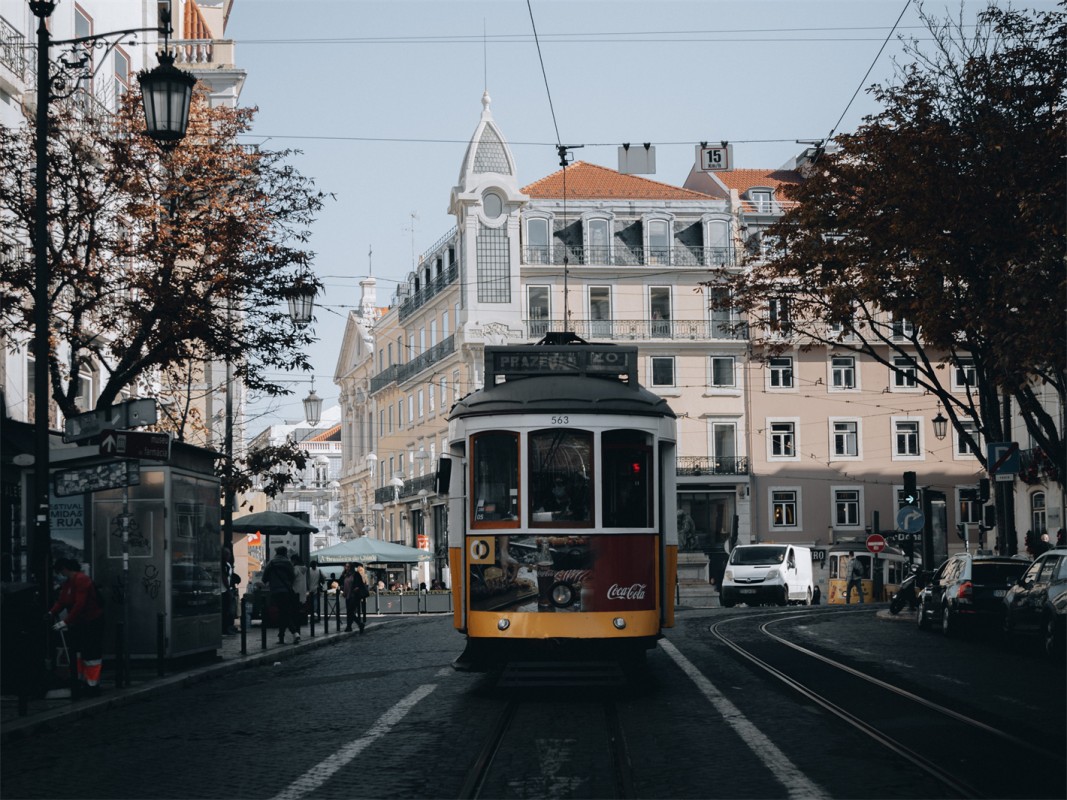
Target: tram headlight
pixel 503 624
pixel 619 623
pixel 562 595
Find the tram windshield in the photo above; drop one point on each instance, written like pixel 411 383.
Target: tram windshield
pixel 561 466
pixel 627 479
pixel 758 555
pixel 495 476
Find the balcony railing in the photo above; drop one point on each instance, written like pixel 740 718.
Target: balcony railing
pixel 12 49
pixel 411 487
pixel 619 255
pixel 639 329
pixel 426 360
pixel 711 465
pixel 383 379
pixel 409 306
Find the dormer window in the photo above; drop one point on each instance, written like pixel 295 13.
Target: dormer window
pixel 597 241
pixel 537 248
pixel 761 199
pixel 658 241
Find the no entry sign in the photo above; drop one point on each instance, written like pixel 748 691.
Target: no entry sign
pixel 876 543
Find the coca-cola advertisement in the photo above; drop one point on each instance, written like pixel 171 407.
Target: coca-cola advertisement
pixel 562 574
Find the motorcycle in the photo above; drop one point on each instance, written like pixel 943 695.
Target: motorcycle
pixel 908 593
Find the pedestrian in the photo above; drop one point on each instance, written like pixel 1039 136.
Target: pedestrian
pixel 229 579
pixel 855 577
pixel 1043 545
pixel 300 588
pixel 1061 537
pixel 278 578
pixel 82 626
pixel 315 581
pixel 356 593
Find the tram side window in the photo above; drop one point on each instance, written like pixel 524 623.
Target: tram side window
pixel 495 477
pixel 627 479
pixel 561 466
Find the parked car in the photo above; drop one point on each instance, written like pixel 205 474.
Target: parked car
pixel 1037 604
pixel 968 590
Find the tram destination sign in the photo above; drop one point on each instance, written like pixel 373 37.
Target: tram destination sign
pixel 525 362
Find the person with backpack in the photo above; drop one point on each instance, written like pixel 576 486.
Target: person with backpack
pixel 83 624
pixel 855 577
pixel 278 577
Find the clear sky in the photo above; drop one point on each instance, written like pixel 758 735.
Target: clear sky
pixel 382 98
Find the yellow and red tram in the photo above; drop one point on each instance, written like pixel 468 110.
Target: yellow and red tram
pixel 562 507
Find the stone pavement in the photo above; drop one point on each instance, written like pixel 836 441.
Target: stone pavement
pixel 145 679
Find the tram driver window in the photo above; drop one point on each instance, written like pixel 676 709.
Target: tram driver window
pixel 627 479
pixel 495 479
pixel 561 469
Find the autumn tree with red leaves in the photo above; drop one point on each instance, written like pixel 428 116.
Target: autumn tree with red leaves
pixel 946 209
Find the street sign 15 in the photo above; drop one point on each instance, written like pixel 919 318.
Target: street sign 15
pixel 127 414
pixel 715 158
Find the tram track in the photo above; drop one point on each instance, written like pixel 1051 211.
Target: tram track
pixel 589 759
pixel 971 753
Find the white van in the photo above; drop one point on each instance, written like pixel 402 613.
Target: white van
pixel 759 574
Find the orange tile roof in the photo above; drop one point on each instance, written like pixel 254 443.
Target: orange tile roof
pixel 745 179
pixel 329 435
pixel 587 181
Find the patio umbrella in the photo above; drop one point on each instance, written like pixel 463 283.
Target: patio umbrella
pixel 272 523
pixel 370 551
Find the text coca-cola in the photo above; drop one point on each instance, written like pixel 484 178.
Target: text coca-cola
pixel 634 592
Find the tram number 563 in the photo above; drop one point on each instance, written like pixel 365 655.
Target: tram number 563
pixel 561 419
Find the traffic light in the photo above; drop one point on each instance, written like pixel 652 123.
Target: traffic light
pixel 990 517
pixel 983 490
pixel 961 530
pixel 909 548
pixel 911 492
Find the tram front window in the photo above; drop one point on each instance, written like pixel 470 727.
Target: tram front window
pixel 495 477
pixel 627 479
pixel 561 462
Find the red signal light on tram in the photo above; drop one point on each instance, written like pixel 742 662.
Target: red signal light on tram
pixel 635 468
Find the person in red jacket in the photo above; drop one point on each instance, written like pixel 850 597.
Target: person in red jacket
pixel 84 621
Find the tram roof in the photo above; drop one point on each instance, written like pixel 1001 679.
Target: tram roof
pixel 573 393
pixel 562 373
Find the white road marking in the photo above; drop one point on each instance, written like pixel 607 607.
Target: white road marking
pixel 795 782
pixel 321 772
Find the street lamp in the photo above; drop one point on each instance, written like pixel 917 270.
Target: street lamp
pixel 169 92
pixel 313 408
pixel 940 425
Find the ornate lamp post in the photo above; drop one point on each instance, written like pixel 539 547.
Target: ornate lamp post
pixel 940 425
pixel 169 92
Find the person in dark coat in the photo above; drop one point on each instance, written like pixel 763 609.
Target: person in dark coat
pixel 84 622
pixel 278 578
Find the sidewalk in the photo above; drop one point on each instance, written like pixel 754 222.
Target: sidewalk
pixel 145 680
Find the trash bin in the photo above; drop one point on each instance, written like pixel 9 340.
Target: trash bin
pixel 23 640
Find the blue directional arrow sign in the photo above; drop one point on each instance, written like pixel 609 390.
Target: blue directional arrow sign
pixel 910 520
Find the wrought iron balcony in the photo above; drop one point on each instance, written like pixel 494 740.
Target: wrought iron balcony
pixel 420 298
pixel 620 255
pixel 409 370
pixel 13 49
pixel 640 329
pixel 711 465
pixel 383 379
pixel 411 487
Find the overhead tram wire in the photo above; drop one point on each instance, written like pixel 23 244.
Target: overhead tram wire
pixel 863 80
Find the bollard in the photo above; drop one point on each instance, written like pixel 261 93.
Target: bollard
pixel 161 643
pixel 338 619
pixel 263 624
pixel 246 620
pixel 120 655
pixel 311 618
